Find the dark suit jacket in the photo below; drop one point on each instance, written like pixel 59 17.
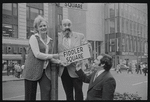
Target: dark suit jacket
pixel 102 88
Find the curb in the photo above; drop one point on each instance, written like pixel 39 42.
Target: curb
pixel 6 80
pixel 12 80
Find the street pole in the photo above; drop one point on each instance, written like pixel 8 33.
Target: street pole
pixel 54 67
pixel 120 37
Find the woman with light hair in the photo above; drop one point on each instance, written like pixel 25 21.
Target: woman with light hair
pixel 37 65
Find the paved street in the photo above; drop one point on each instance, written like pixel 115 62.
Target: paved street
pixel 132 83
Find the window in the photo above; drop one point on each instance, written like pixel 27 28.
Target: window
pixel 128 43
pixel 122 25
pixel 27 10
pixel 131 27
pixel 59 22
pixel 112 13
pixel 7 30
pixel 138 44
pixel 138 29
pixel 116 9
pixel 141 30
pixel 135 29
pixel 7 8
pixel 112 45
pixel 127 40
pixel 134 44
pixel 92 45
pixel 10 20
pixel 127 26
pixel 111 25
pixel 15 13
pixel 32 10
pixel 112 30
pixel 145 47
pixel 33 13
pixel 142 43
pixel 131 47
pixel 106 43
pixel 98 47
pixel 123 44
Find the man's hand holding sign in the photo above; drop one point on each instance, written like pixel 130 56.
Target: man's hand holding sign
pixel 75 54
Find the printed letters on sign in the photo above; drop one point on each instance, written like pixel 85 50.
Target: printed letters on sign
pixel 75 54
pixel 20 50
pixel 9 49
pixel 15 50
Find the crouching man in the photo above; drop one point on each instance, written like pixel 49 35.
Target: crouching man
pixel 102 84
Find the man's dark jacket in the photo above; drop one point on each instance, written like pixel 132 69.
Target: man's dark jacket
pixel 102 88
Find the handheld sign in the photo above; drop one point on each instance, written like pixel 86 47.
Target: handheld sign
pixel 75 54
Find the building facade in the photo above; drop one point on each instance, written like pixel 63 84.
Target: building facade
pixel 126 31
pixel 103 24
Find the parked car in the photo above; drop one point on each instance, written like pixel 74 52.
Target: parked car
pixel 123 67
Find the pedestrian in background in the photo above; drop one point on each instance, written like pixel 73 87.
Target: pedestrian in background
pixel 13 69
pixel 130 68
pixel 4 66
pixel 9 68
pixel 17 70
pixel 22 67
pixel 68 39
pixel 102 84
pixel 37 67
pixel 139 68
pixel 118 68
pixel 145 69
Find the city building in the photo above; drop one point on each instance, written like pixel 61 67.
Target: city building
pixel 126 31
pixel 104 25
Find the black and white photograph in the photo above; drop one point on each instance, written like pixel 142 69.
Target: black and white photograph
pixel 74 51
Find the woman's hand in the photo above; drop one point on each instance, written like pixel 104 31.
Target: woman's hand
pixel 56 56
pixel 64 63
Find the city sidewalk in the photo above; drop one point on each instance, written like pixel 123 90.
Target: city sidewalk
pixel 6 78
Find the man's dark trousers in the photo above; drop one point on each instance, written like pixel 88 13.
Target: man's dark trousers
pixel 68 84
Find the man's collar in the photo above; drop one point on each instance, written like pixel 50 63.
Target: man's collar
pixel 70 34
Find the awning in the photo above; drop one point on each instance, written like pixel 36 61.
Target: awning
pixel 145 60
pixel 12 57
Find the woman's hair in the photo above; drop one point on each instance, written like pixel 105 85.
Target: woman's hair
pixel 37 22
pixel 107 60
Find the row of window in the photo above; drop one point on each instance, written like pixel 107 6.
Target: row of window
pixel 132 45
pixel 96 47
pixel 125 26
pixel 10 18
pixel 128 44
pixel 127 10
pixel 31 15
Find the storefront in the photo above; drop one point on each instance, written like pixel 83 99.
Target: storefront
pixel 13 53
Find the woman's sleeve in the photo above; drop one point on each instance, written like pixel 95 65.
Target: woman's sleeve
pixel 35 49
